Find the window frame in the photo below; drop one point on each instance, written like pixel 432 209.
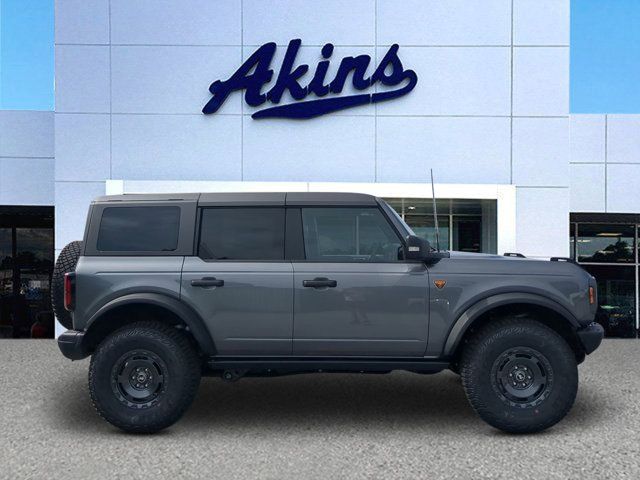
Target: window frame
pixel 186 227
pixel 393 227
pixel 198 235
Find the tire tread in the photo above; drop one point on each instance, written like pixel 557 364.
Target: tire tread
pixel 471 364
pixel 173 339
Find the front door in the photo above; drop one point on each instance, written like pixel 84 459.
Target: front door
pixel 240 283
pixel 354 293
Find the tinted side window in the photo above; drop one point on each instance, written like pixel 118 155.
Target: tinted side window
pixel 139 229
pixel 242 234
pixel 349 235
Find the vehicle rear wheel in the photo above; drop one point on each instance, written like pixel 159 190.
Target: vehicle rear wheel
pixel 519 375
pixel 66 263
pixel 144 376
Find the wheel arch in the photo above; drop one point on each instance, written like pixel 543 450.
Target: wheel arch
pixel 538 307
pixel 153 306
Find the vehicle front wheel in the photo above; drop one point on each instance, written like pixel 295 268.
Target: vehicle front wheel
pixel 144 376
pixel 519 375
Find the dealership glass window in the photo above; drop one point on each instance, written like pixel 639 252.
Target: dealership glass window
pixel 465 225
pixel 239 233
pixel 616 299
pixel 139 229
pixel 602 243
pixel 608 252
pixel 26 265
pixel 349 235
pixel 6 288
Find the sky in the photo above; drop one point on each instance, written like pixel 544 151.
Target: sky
pixel 605 56
pixel 26 54
pixel 604 71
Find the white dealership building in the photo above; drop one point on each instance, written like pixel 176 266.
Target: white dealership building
pixel 514 171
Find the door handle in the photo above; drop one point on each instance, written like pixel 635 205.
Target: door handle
pixel 320 282
pixel 207 282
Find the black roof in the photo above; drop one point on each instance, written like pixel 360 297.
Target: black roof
pixel 249 198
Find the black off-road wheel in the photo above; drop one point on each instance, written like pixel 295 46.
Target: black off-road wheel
pixel 519 375
pixel 66 263
pixel 144 376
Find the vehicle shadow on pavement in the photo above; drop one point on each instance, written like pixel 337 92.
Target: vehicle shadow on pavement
pixel 300 401
pixel 401 400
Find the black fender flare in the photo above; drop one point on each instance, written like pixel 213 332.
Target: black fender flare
pixel 467 318
pixel 191 319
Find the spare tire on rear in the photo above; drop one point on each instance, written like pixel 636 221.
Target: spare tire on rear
pixel 67 261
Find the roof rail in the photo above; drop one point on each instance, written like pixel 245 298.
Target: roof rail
pixel 563 259
pixel 514 254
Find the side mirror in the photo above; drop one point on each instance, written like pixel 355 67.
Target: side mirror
pixel 420 249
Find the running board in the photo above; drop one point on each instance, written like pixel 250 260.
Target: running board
pixel 326 364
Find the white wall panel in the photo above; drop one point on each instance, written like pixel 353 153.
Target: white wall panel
pixel 541 151
pixel 26 181
pixel 170 79
pixel 623 191
pixel 82 21
pixel 454 81
pixel 454 22
pixel 82 147
pixel 339 149
pixel 460 150
pixel 178 147
pixel 541 22
pixel 82 79
pixel 587 188
pixel 315 23
pixel 541 81
pixel 588 138
pixel 623 138
pixel 26 158
pixel 26 133
pixel 169 22
pixel 542 223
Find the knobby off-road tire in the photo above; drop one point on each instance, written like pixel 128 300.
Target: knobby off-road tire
pixel 66 263
pixel 519 375
pixel 144 376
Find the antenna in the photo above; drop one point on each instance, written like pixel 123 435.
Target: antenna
pixel 435 212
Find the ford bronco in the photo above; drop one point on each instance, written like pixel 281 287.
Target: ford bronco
pixel 166 288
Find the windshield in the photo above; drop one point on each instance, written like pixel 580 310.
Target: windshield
pixel 397 217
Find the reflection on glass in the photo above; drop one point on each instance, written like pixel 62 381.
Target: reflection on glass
pixel 6 283
pixel 605 243
pixel 616 299
pixel 423 226
pixel 34 248
pixel 26 256
pixel 466 225
pixel 349 235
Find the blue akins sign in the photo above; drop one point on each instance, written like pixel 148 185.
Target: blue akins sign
pixel 256 72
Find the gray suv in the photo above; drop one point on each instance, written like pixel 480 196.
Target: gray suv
pixel 166 288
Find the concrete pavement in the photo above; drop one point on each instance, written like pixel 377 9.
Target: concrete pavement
pixel 400 425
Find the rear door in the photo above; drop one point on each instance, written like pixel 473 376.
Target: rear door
pixel 354 292
pixel 240 282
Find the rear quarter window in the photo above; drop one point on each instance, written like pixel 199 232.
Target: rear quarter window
pixel 139 229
